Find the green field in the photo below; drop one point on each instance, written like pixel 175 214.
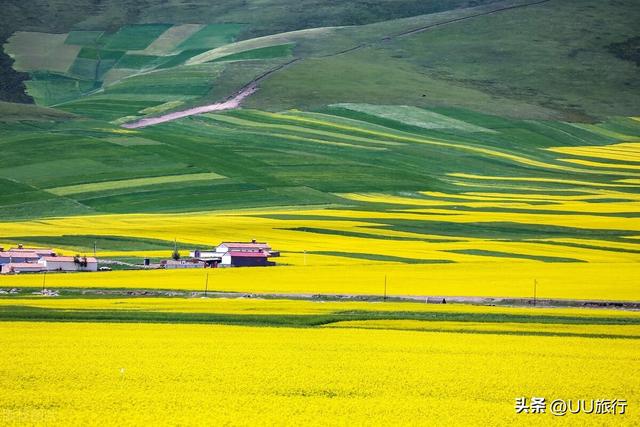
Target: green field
pixel 269 52
pixel 296 158
pixel 212 36
pixel 133 37
pixel 139 182
pixel 83 38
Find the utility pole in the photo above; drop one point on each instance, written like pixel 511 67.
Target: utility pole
pixel 176 254
pixel 95 245
pixel 385 287
pixel 535 290
pixel 206 284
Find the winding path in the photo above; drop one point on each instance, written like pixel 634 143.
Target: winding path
pixel 232 103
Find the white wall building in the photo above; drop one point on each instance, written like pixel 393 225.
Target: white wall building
pixel 21 267
pixel 234 254
pixel 69 263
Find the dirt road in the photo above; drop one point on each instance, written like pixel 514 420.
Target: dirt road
pixel 221 106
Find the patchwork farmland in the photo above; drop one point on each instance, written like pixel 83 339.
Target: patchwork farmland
pixel 453 188
pixel 334 177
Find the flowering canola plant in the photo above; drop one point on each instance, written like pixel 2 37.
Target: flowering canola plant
pixel 568 280
pixel 142 374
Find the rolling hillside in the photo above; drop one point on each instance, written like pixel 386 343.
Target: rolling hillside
pixel 554 59
pixel 443 120
pixel 55 16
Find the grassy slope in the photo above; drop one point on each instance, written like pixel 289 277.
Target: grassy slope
pixel 273 160
pixel 276 16
pixel 12 112
pixel 509 63
pixel 550 60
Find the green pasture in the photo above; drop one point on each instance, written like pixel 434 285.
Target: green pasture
pixel 288 159
pixel 127 183
pixel 12 112
pixel 212 36
pixel 133 37
pixel 175 60
pixel 50 89
pixel 35 51
pixel 138 61
pixel 83 38
pixel 269 52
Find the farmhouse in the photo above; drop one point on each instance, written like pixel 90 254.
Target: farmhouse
pixel 33 260
pixel 68 263
pixel 236 254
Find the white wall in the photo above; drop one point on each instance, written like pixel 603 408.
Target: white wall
pixel 6 268
pixel 69 266
pixel 226 260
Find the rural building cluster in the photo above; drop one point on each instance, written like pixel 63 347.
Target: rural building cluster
pixel 36 260
pixel 227 254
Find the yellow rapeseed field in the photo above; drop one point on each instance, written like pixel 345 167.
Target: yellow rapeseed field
pixel 564 280
pixel 356 254
pixel 632 331
pixel 320 263
pixel 161 374
pixel 245 305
